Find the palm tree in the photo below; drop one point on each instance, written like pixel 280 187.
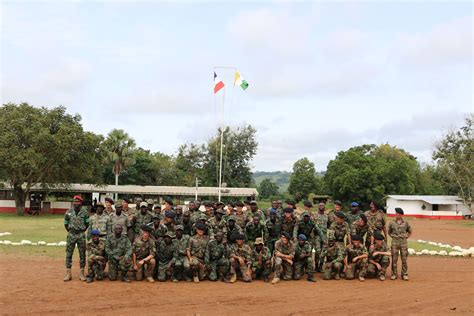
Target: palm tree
pixel 120 148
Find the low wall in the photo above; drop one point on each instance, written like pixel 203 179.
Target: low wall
pixel 8 206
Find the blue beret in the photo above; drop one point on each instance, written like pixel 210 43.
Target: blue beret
pixel 302 237
pixel 273 212
pixel 95 232
pixel 354 204
pixel 170 214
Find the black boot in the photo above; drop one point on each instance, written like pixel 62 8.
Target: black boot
pixel 90 279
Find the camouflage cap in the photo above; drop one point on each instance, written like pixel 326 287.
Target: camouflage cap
pixel 118 204
pixel 143 204
pixel 258 241
pixel 306 213
pixel 220 211
pixel 150 201
pixel 170 234
pixel 179 227
pixel 232 218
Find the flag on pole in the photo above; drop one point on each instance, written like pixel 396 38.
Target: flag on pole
pixel 240 81
pixel 218 83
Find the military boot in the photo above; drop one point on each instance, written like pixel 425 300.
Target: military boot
pixel 405 277
pixel 68 276
pixel 90 279
pixel 311 278
pixel 275 280
pixel 125 278
pixel 82 277
pixel 150 279
pixel 233 278
pixel 393 277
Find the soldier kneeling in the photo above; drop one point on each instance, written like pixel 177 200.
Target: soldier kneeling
pixel 332 258
pixel 96 258
pixel 241 259
pixel 356 259
pixel 261 260
pixel 119 253
pixel 379 258
pixel 217 258
pixel 303 259
pixel 144 251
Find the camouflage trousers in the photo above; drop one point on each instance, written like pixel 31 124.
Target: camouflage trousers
pixel 235 266
pixel 285 267
pixel 145 269
pixel 72 240
pixel 301 266
pixel 330 269
pixel 372 269
pixel 360 266
pixel 399 247
pixel 164 269
pixel 95 267
pixel 271 245
pixel 198 267
pixel 262 269
pixel 218 268
pixel 121 265
pixel 181 268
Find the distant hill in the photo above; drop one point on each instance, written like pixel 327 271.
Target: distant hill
pixel 281 178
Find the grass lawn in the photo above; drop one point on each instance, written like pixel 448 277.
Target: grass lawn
pixel 48 228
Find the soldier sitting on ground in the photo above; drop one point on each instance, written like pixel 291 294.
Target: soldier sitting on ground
pixel 181 262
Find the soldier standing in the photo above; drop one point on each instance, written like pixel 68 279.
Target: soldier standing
pixel 109 209
pixel 376 222
pixel 233 229
pixel 355 259
pixel 96 258
pixel 99 221
pixel 217 223
pixel 143 217
pixel 76 221
pixel 303 259
pixel 118 218
pixel 283 258
pixel 400 230
pixel 332 213
pixel 289 222
pixel 119 253
pixel 196 252
pixel 240 259
pixel 144 252
pixel 353 214
pixel 361 228
pixel 255 229
pixel 273 225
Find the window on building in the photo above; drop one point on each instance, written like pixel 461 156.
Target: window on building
pixel 435 207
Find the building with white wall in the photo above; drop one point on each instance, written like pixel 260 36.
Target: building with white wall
pixel 428 206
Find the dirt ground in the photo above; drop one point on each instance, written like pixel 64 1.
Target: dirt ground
pixel 33 285
pixel 451 232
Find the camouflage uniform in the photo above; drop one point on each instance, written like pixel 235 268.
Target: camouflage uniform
pixel 376 222
pixel 352 217
pixel 251 214
pixel 96 258
pixel 240 219
pixel 399 232
pixel 280 264
pixel 217 259
pixel 98 222
pixel 331 217
pixel 165 254
pixel 274 231
pixel 301 261
pixel 253 231
pixel 262 262
pixel 187 228
pixel 197 247
pixel 340 232
pixel 361 231
pixel 143 249
pixel 312 232
pixel 77 224
pixel 232 232
pixel 122 220
pixel 244 252
pixel 360 265
pixel 116 248
pixel 383 260
pixel 288 226
pixel 218 226
pixel 159 232
pixel 321 221
pixel 140 219
pixel 181 262
pixel 332 257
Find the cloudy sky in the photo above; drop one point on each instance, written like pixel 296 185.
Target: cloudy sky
pixel 324 76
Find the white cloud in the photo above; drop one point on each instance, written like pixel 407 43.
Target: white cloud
pixel 446 43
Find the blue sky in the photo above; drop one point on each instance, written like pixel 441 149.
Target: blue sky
pixel 324 76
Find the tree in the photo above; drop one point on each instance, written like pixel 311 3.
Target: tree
pixel 268 189
pixel 303 179
pixel 369 172
pixel 189 163
pixel 455 153
pixel 120 151
pixel 45 146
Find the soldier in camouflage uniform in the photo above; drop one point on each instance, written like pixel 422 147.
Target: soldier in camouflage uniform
pixel 321 220
pixel 354 214
pixel 273 225
pixel 240 216
pixel 274 207
pixel 240 259
pixel 96 258
pixel 361 228
pixel 332 213
pixel 181 263
pixel 217 257
pixel 379 258
pixel 283 258
pixel 118 218
pixel 143 217
pixel 218 224
pixel 76 221
pixel 129 212
pixel 288 222
pixel 119 253
pixel 261 260
pixel 203 220
pixel 179 215
pixel 165 252
pixel 254 211
pixel 109 209
pixel 341 230
pixel 233 229
pixel 255 229
pixel 144 252
pixel 99 221
pixel 307 227
pixel 400 230
pixel 332 257
pixel 303 260
pixel 186 223
pixel 356 259
pixel 196 252
pixel 376 222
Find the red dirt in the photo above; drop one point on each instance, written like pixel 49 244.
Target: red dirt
pixel 451 232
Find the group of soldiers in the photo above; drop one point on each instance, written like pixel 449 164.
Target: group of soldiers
pixel 233 241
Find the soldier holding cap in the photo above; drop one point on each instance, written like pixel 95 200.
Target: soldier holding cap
pixel 76 221
pixel 400 230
